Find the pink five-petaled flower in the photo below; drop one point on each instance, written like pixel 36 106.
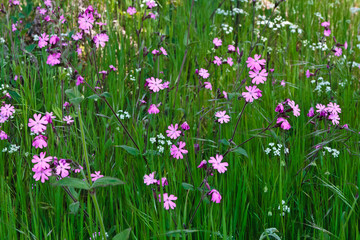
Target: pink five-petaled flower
pixel 337 51
pixel 39 142
pixel 215 196
pixel 53 59
pixel 164 182
pixel 3 135
pixel 68 120
pixel 131 10
pixel 42 174
pixel 217 164
pixel 177 152
pixel 86 21
pixel 204 73
pixel 38 125
pixel 163 51
pixel 325 24
pixel 100 39
pixel 327 32
pixel 172 131
pixel 217 61
pixel 217 42
pixel 284 123
pixel 150 179
pixel 63 168
pixel 252 93
pixel 222 117
pixel 49 117
pixel 185 126
pixel 279 108
pixel 202 164
pixel 258 76
pixel 321 109
pixel 79 80
pixel 229 61
pixel 255 63
pixel 231 48
pixel 295 108
pixel 334 117
pixel 311 112
pixel 42 161
pixel 7 110
pixel 333 108
pixel 43 40
pixel 308 73
pixel 54 39
pixel 155 84
pixel 95 176
pixel 150 4
pixel 168 201
pixel 153 109
pixel 208 85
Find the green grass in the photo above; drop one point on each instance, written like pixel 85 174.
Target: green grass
pixel 323 199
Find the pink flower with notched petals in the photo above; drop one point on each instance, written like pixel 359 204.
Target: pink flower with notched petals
pixel 68 120
pixel 79 80
pixel 231 48
pixel 95 176
pixel 152 15
pixel 150 4
pixel 38 125
pixel 172 131
pixel 335 119
pixel 164 182
pixel 3 135
pixel 321 109
pixel 204 73
pixel 168 201
pixel 217 42
pixel 295 108
pixel 217 164
pixel 43 40
pixel 337 51
pixel 131 10
pixel 155 84
pixel 166 84
pixel 63 168
pixel 258 76
pixel 208 85
pixel 53 59
pixel 86 21
pixel 100 39
pixel 311 112
pixel 7 110
pixel 284 123
pixel 327 32
pixel 223 118
pixel 229 61
pixel 77 36
pixel 185 126
pixel 255 63
pixel 225 95
pixel 49 117
pixel 150 179
pixel 325 24
pixel 54 39
pixel 215 196
pixel 163 51
pixel 279 108
pixel 177 152
pixel 202 164
pixel 153 109
pixel 333 108
pixel 252 93
pixel 42 174
pixel 42 161
pixel 40 142
pixel 217 61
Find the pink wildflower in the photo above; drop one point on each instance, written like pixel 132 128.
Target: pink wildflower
pixel 42 174
pixel 150 4
pixel 279 108
pixel 217 42
pixel 39 142
pixel 204 73
pixel 42 161
pixel 229 61
pixel 164 182
pixel 225 95
pixel 153 109
pixel 333 108
pixel 334 117
pixel 223 118
pixel 172 131
pixel 3 135
pixel 68 120
pixel 53 59
pixel 43 40
pixel 231 48
pixel 86 21
pixel 63 168
pixel 7 110
pixel 202 164
pixel 177 152
pixel 185 126
pixel 215 196
pixel 208 85
pixel 163 51
pixel 95 176
pixel 77 36
pixel 252 93
pixel 168 201
pixel 79 80
pixel 54 39
pixel 337 51
pixel 100 39
pixel 49 117
pixel 155 84
pixel 255 63
pixel 217 61
pixel 284 123
pixel 150 179
pixel 283 83
pixel 131 10
pixel 38 125
pixel 258 76
pixel 217 164
pixel 311 112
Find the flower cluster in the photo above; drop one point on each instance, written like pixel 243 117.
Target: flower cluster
pixel 275 149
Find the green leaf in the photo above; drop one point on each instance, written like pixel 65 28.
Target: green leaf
pixel 30 47
pixel 187 186
pixel 73 182
pixel 124 235
pixel 74 207
pixel 241 151
pixel 104 94
pixel 107 181
pixel 15 95
pixel 57 112
pixel 75 97
pixel 225 142
pixel 131 150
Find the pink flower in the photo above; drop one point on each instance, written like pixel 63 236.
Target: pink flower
pixel 68 120
pixel 217 164
pixel 53 59
pixel 155 52
pixel 155 84
pixel 217 42
pixel 79 80
pixel 13 27
pixel 258 76
pixel 150 179
pixel 43 40
pixel 7 110
pixel 202 164
pixel 168 201
pixel 172 131
pixel 253 93
pixel 320 108
pixel 204 73
pixel 42 11
pixel 131 10
pixel 100 39
pixel 153 109
pixel 49 117
pixel 223 118
pixel 177 152
pixel 279 108
pixel 63 168
pixel 54 39
pixel 95 176
pixel 283 83
pixel 225 95
pixel 166 84
pixel 39 142
pixel 231 48
pixel 345 45
pixel 215 196
pixel 77 36
pixel 295 108
pixel 150 4
pixel 334 117
pixel 308 74
pixel 229 61
pixel 153 16
pixel 86 21
pixel 311 112
pixel 79 51
pixel 333 108
pixel 163 51
pixel 208 85
pixel 113 68
pixel 3 118
pixel 3 135
pixel 42 161
pixel 164 182
pixel 325 24
pixel 337 51
pixel 185 126
pixel 284 123
pixel 38 125
pixel 255 63
pixel 217 61
pixel 327 32
pixel 42 174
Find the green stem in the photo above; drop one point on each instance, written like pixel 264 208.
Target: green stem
pixel 93 195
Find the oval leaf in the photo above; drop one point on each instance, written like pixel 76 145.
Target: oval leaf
pixel 124 235
pixel 106 181
pixel 73 182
